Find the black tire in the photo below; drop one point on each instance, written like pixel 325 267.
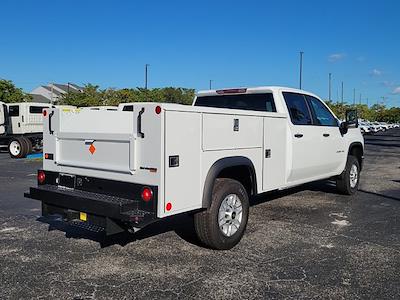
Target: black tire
pixel 207 224
pixel 17 147
pixel 28 144
pixel 343 183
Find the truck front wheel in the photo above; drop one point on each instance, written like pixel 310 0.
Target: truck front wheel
pixel 222 225
pixel 348 181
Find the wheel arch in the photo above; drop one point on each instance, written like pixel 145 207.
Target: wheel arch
pixel 240 168
pixel 356 149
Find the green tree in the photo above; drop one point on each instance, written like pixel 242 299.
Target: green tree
pixel 9 93
pixel 90 96
pixel 93 96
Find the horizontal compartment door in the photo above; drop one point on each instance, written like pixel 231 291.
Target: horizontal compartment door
pixel 98 154
pixel 226 132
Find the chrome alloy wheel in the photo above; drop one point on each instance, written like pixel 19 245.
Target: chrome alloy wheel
pixel 15 148
pixel 353 176
pixel 230 215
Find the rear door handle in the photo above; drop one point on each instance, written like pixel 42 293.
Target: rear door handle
pixel 326 134
pixel 298 135
pixel 139 123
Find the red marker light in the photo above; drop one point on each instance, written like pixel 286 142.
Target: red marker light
pixel 44 113
pixel 158 109
pixel 41 177
pixel 147 194
pixel 168 207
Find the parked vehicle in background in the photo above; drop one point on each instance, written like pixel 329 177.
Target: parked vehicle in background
pixel 122 170
pixel 384 125
pixel 21 127
pixel 364 127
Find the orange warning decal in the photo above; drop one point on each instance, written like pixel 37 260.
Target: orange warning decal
pixel 92 149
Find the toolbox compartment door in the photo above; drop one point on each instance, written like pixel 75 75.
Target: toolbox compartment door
pixel 98 140
pixel 97 151
pixel 228 132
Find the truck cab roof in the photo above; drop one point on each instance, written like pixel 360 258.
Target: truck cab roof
pixel 252 90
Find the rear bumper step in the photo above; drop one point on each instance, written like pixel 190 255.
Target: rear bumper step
pixel 114 214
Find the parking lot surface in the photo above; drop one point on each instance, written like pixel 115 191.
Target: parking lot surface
pixel 307 242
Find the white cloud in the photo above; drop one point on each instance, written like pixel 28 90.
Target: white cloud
pixel 396 91
pixel 387 83
pixel 376 72
pixel 336 57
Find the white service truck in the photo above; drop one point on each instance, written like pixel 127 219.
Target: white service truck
pixel 21 127
pixel 122 170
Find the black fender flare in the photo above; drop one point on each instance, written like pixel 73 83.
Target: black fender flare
pixel 218 166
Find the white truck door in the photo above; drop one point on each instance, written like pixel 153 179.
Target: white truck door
pixel 305 140
pixel 2 118
pixel 15 113
pixel 332 142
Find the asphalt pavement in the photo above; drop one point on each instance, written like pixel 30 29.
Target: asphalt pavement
pixel 307 242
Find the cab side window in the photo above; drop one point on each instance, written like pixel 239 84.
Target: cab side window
pixel 298 109
pixel 13 110
pixel 322 116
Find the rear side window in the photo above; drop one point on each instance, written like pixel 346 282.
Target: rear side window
pixel 36 109
pixel 298 109
pixel 322 116
pixel 257 102
pixel 13 110
pixel 127 108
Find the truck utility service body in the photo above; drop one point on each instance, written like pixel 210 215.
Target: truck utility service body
pixel 126 169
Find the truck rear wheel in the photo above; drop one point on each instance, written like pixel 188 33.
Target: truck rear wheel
pixel 222 225
pixel 28 144
pixel 348 181
pixel 17 147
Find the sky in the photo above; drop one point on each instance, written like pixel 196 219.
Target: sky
pixel 187 43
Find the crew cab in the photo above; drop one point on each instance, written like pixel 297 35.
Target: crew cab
pixel 122 170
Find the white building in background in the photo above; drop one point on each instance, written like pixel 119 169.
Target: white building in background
pixel 52 93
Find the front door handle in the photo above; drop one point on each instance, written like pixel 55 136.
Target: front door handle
pixel 326 134
pixel 298 135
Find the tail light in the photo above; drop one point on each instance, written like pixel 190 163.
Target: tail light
pixel 147 194
pixel 158 109
pixel 44 113
pixel 41 177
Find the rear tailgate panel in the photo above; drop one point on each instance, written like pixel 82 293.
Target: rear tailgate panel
pixel 104 144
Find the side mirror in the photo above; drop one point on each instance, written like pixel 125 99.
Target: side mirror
pixel 343 127
pixel 351 118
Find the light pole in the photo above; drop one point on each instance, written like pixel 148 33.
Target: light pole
pixel 354 96
pixel 301 68
pixel 330 86
pixel 210 84
pixel 342 91
pixel 145 75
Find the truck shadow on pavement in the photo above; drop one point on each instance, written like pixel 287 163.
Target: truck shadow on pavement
pixel 181 224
